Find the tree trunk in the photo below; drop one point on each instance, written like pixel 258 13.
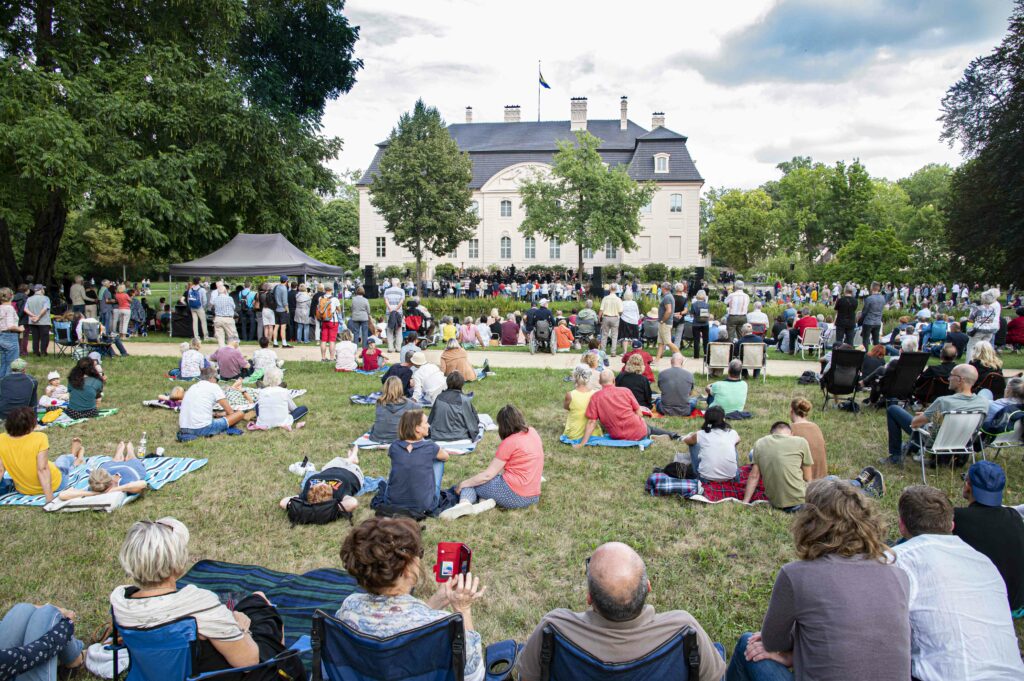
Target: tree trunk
pixel 10 275
pixel 419 279
pixel 43 241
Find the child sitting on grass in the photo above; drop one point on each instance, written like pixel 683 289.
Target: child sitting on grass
pixel 370 356
pixel 346 352
pixel 56 394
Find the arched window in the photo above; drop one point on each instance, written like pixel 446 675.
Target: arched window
pixel 506 248
pixel 506 208
pixel 676 203
pixel 554 249
pixel 530 248
pixel 661 163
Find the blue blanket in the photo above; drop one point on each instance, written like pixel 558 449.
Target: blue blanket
pixel 160 471
pixel 605 441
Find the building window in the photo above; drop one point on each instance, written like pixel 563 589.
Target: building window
pixel 474 248
pixel 554 249
pixel 646 208
pixel 474 208
pixel 530 248
pixel 676 203
pixel 382 247
pixel 454 253
pixel 610 251
pixel 661 163
pixel 506 208
pixel 506 248
pixel 588 253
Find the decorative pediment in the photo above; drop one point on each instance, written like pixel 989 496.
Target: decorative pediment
pixel 509 179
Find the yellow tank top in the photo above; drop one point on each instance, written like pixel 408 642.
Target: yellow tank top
pixel 576 422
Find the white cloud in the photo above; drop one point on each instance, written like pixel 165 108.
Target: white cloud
pixel 457 53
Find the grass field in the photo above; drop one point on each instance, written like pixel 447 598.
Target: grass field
pixel 718 562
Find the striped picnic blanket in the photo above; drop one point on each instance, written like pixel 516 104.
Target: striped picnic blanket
pixel 160 471
pixel 295 596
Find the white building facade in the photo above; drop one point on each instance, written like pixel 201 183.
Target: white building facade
pixel 504 154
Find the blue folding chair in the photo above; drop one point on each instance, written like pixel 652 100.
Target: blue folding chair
pixel 62 341
pixel 166 653
pixel 677 659
pixel 433 652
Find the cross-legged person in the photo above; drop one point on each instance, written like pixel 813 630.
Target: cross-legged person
pixel 618 412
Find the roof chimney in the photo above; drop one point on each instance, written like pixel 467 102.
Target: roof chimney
pixel 578 113
pixel 622 113
pixel 658 119
pixel 469 114
pixel 512 113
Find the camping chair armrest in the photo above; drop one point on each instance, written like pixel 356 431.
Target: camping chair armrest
pixel 301 645
pixel 500 659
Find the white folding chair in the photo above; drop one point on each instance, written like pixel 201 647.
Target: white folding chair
pixel 956 436
pixel 1013 438
pixel 753 357
pixel 811 341
pixel 717 357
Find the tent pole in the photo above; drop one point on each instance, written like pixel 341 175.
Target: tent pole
pixel 170 301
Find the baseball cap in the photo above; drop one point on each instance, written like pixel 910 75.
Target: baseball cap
pixel 19 364
pixel 987 483
pixel 374 340
pixel 284 277
pixel 638 343
pixel 52 375
pixel 95 356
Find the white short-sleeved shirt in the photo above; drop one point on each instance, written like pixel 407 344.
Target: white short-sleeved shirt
pixel 275 408
pixel 630 312
pixel 718 454
pixel 197 407
pixel 346 357
pixel 264 358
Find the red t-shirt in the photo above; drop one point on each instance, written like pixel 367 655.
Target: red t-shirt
pixel 523 454
pixel 370 359
pixel 646 357
pixel 124 301
pixel 804 323
pixel 1015 331
pixel 616 409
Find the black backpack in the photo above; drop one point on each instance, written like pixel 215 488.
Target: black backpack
pixel 301 512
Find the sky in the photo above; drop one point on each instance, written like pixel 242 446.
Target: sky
pixel 750 82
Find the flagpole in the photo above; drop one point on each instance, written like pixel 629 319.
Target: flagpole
pixel 538 90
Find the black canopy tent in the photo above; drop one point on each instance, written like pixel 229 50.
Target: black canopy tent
pixel 254 255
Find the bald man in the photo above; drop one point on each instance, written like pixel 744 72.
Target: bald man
pixel 618 626
pixel 961 381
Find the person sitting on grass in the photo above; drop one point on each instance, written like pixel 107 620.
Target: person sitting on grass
pixel 510 330
pixel 345 355
pixel 124 473
pixel 676 385
pixel 85 390
pixel 594 348
pixel 231 363
pixel 958 603
pixel 387 607
pixel 455 358
pixel 403 371
pixel 427 380
pixel 390 406
pixel 195 418
pixel 563 336
pixel 18 389
pixel 730 394
pixel 55 392
pixel 619 626
pixel 785 463
pixel 512 480
pixel 590 361
pixel 799 409
pixel 618 412
pixel 265 358
pixel 155 556
pixel 275 407
pixel 831 593
pixel 340 479
pixel 448 329
pixel 576 401
pixel 192 361
pixel 638 351
pixel 413 486
pixel 453 416
pixel 713 448
pixel 370 357
pixel 632 378
pixel 37 639
pixel 23 455
pixel 468 335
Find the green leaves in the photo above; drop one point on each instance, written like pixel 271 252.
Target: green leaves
pixel 872 254
pixel 744 228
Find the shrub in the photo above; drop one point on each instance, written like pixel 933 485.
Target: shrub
pixel 655 272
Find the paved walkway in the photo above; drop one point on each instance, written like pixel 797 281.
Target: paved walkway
pixel 498 359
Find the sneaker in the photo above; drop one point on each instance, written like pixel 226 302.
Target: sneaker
pixel 487 366
pixel 876 483
pixel 485 505
pixel 457 511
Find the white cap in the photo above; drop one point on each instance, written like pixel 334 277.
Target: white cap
pixel 53 375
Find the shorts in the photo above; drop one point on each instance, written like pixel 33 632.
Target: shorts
pixel 328 332
pixel 664 334
pixel 216 427
pixel 280 317
pixel 268 317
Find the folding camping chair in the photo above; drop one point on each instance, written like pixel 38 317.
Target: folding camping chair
pixel 957 435
pixel 62 341
pixel 754 356
pixel 811 341
pixel 898 385
pixel 994 381
pixel 166 652
pixel 717 356
pixel 92 338
pixel 1013 438
pixel 843 377
pixel 677 659
pixel 435 651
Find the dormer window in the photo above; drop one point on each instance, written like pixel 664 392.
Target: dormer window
pixel 661 163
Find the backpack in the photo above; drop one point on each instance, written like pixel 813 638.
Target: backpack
pixel 248 300
pixel 808 378
pixel 302 512
pixel 323 309
pixel 195 298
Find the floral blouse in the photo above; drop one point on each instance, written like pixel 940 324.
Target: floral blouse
pixel 14 661
pixel 389 615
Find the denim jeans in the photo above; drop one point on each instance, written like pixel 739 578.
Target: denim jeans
pixel 898 422
pixel 360 332
pixel 302 333
pixel 438 475
pixel 9 351
pixel 765 670
pixel 23 624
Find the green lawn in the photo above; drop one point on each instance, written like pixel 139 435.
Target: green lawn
pixel 718 561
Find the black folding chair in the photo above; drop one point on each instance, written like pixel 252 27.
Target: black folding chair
pixel 898 385
pixel 843 377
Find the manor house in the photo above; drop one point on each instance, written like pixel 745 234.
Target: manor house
pixel 503 154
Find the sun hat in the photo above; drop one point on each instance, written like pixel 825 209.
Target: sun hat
pixel 987 483
pixel 418 359
pixel 53 375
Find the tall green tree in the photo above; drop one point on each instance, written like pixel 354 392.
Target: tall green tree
pixel 337 222
pixel 803 196
pixel 872 254
pixel 583 201
pixel 708 203
pixel 744 229
pixel 176 123
pixel 850 193
pixel 984 113
pixel 422 187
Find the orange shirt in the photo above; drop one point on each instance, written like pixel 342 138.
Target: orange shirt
pixel 563 337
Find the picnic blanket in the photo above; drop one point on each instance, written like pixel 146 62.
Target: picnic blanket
pixel 160 470
pixel 660 484
pixel 65 421
pixel 456 446
pixel 251 379
pixel 295 596
pixel 605 441
pixel 366 399
pixel 157 404
pixel 376 372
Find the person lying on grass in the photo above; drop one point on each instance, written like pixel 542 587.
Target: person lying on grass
pixel 341 479
pixel 124 473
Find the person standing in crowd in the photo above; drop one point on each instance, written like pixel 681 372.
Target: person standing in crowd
pixel 736 304
pixel 611 310
pixel 394 297
pixel 247 312
pixel 37 307
pixel 281 311
pixel 846 317
pixel 197 301
pixel 10 331
pixel 223 315
pixel 700 311
pixel 666 314
pixel 123 311
pixel 106 302
pixel 303 319
pixel 328 313
pixel 871 315
pixel 359 319
pixel 77 296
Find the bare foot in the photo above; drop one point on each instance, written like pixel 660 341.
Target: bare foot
pixel 131 451
pixel 353 454
pixel 77 450
pixel 300 424
pixel 119 452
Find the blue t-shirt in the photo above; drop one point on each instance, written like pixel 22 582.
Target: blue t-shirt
pixel 411 480
pixel 131 470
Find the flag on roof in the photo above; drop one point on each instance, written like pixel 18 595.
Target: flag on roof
pixel 543 82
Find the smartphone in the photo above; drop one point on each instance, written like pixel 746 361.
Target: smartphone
pixel 453 559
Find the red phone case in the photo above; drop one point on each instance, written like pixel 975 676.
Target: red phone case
pixel 453 559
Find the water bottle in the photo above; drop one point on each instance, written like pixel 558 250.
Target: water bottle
pixel 142 446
